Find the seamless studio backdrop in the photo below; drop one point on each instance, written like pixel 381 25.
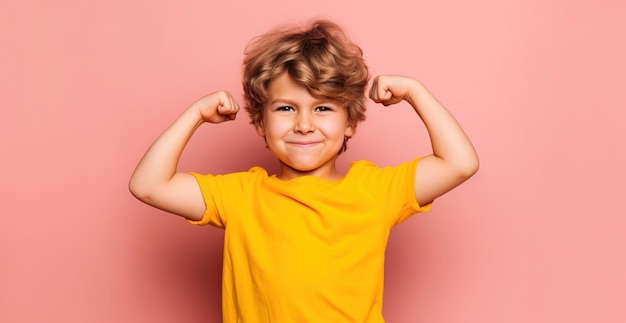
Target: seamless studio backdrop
pixel 538 235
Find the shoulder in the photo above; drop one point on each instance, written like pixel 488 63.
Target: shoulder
pixel 365 167
pixel 360 167
pixel 383 179
pixel 254 173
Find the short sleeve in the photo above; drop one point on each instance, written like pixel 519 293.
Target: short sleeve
pixel 412 206
pixel 394 187
pixel 210 193
pixel 223 194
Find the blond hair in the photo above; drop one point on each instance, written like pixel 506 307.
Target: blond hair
pixel 318 56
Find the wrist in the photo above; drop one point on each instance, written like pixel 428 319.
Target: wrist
pixel 193 115
pixel 415 90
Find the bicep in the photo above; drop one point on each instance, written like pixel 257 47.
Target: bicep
pixel 434 177
pixel 181 195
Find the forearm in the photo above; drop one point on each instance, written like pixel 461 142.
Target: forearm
pixel 449 141
pixel 158 165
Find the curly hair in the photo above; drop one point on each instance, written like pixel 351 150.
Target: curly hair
pixel 318 56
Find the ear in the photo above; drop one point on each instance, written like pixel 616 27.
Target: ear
pixel 259 129
pixel 349 132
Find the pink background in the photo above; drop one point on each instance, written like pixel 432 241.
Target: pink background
pixel 538 235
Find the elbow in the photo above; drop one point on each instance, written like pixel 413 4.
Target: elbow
pixel 134 190
pixel 464 168
pixel 469 168
pixel 138 191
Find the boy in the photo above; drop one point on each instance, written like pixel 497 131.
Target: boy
pixel 306 244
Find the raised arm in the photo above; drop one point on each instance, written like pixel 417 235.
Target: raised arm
pixel 454 159
pixel 156 181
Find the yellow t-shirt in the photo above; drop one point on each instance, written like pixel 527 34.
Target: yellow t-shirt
pixel 307 249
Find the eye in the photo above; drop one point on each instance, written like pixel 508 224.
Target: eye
pixel 323 108
pixel 284 108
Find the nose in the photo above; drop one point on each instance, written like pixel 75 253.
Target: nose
pixel 304 123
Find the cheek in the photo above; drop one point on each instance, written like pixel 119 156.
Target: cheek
pixel 274 128
pixel 337 126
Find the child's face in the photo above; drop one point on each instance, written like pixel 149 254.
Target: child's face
pixel 304 132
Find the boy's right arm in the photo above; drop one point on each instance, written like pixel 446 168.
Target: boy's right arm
pixel 156 181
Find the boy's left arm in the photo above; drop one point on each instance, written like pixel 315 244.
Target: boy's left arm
pixel 453 160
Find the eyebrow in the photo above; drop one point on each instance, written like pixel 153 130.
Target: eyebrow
pixel 275 101
pixel 291 102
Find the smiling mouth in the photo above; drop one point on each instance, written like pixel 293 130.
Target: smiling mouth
pixel 303 143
